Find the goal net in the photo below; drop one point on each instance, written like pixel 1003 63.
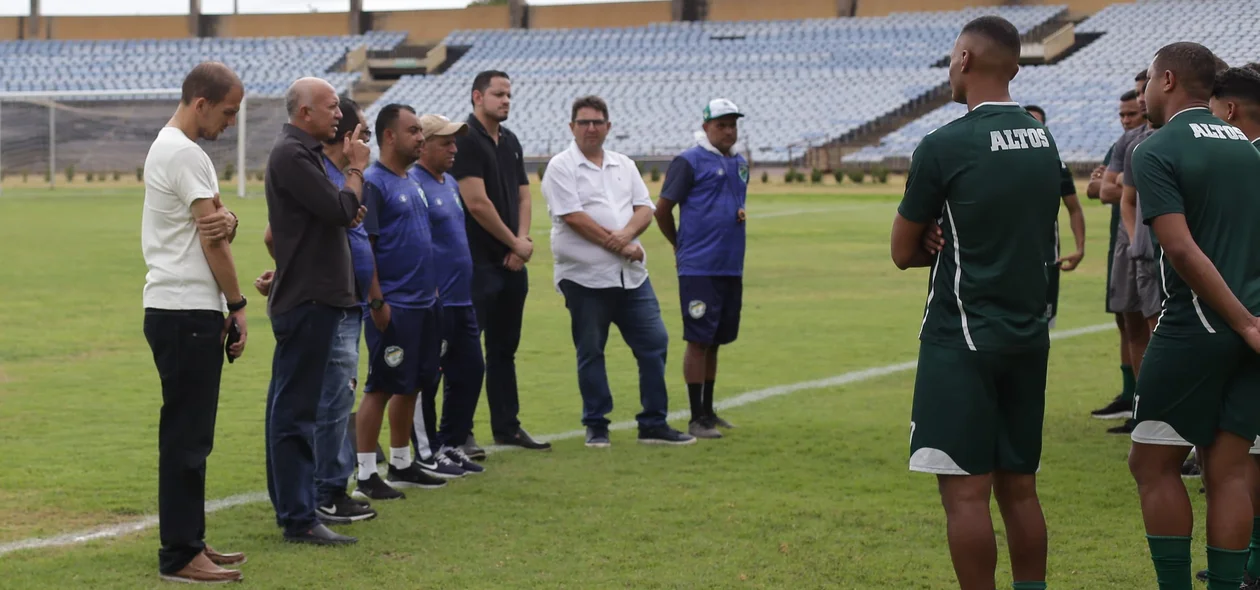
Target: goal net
pixel 85 139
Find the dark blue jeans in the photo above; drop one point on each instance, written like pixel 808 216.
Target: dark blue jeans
pixel 462 370
pixel 637 314
pixel 304 342
pixel 334 451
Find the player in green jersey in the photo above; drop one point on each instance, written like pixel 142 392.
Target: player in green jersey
pixel 1198 179
pixel 990 181
pixel 1076 220
pixel 1236 100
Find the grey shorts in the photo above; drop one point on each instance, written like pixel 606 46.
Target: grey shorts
pixel 1135 284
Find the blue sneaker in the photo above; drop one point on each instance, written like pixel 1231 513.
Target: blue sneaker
pixel 459 458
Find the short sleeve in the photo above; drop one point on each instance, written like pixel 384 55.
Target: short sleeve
pixel 373 201
pixel 1128 178
pixel 192 176
pixel 1067 184
pixel 468 162
pixel 925 187
pixel 559 188
pixel 679 179
pixel 639 195
pixel 1119 154
pixel 1157 183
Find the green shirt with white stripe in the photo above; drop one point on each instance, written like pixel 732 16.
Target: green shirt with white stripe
pixel 1206 169
pixel 991 180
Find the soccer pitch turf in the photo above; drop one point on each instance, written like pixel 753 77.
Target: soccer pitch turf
pixel 811 491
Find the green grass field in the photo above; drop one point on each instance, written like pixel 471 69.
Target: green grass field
pixel 811 491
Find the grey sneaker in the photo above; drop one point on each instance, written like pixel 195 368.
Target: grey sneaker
pixel 597 438
pixel 719 422
pixel 471 449
pixel 704 428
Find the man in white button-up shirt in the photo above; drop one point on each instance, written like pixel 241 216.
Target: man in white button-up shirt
pixel 599 206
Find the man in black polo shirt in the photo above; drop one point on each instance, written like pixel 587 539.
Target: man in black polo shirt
pixel 490 168
pixel 311 294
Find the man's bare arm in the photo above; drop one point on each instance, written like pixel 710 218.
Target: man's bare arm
pixel 525 214
pixel 473 191
pixel 1076 218
pixel 1110 191
pixel 907 244
pixel 665 220
pixel 586 227
pixel 1128 210
pixel 218 255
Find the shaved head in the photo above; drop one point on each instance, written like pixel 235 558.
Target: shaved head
pixel 986 54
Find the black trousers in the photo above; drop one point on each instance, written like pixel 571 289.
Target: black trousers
pixel 188 353
pixel 499 298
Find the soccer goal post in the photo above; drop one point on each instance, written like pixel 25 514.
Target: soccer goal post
pixel 99 139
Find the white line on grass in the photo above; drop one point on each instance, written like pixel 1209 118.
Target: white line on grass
pixel 743 399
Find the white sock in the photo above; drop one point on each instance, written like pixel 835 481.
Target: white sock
pixel 367 465
pixel 400 458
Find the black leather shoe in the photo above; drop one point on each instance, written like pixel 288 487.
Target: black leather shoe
pixel 521 439
pixel 320 535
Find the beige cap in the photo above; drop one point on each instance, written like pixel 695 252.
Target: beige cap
pixel 439 126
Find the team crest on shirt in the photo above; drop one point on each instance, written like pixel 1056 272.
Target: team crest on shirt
pixel 393 356
pixel 696 309
pixel 743 172
pixel 402 198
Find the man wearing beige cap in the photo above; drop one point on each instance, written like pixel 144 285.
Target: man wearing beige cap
pixel 462 364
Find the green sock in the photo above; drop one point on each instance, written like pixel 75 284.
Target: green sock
pixel 1029 586
pixel 1253 561
pixel 1225 568
pixel 1130 383
pixel 1171 556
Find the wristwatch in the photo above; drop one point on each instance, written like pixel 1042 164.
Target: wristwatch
pixel 235 307
pixel 376 304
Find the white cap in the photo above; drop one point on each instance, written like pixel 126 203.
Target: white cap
pixel 720 107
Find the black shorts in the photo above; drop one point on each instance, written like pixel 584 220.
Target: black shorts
pixel 711 308
pixel 406 357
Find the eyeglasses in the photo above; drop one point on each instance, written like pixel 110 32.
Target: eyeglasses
pixel 590 123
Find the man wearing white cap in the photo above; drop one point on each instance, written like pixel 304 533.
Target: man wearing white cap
pixel 709 182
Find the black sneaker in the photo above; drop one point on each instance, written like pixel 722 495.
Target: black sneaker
pixel 413 477
pixel 344 510
pixel 1250 583
pixel 597 437
pixel 664 435
pixel 1126 428
pixel 458 457
pixel 1117 409
pixel 521 439
pixel 440 466
pixel 375 488
pixel 719 422
pixel 1201 576
pixel 471 450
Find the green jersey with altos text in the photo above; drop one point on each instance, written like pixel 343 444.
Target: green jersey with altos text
pixel 991 180
pixel 1205 169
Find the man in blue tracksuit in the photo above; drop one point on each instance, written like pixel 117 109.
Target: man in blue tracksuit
pixel 463 366
pixel 709 182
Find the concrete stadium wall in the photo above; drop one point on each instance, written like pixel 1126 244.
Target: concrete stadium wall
pixel 430 26
pixel 10 28
pixel 729 10
pixel 118 27
pixel 283 25
pixel 884 7
pixel 620 14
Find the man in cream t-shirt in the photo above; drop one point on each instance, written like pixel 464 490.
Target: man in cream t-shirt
pixel 185 236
